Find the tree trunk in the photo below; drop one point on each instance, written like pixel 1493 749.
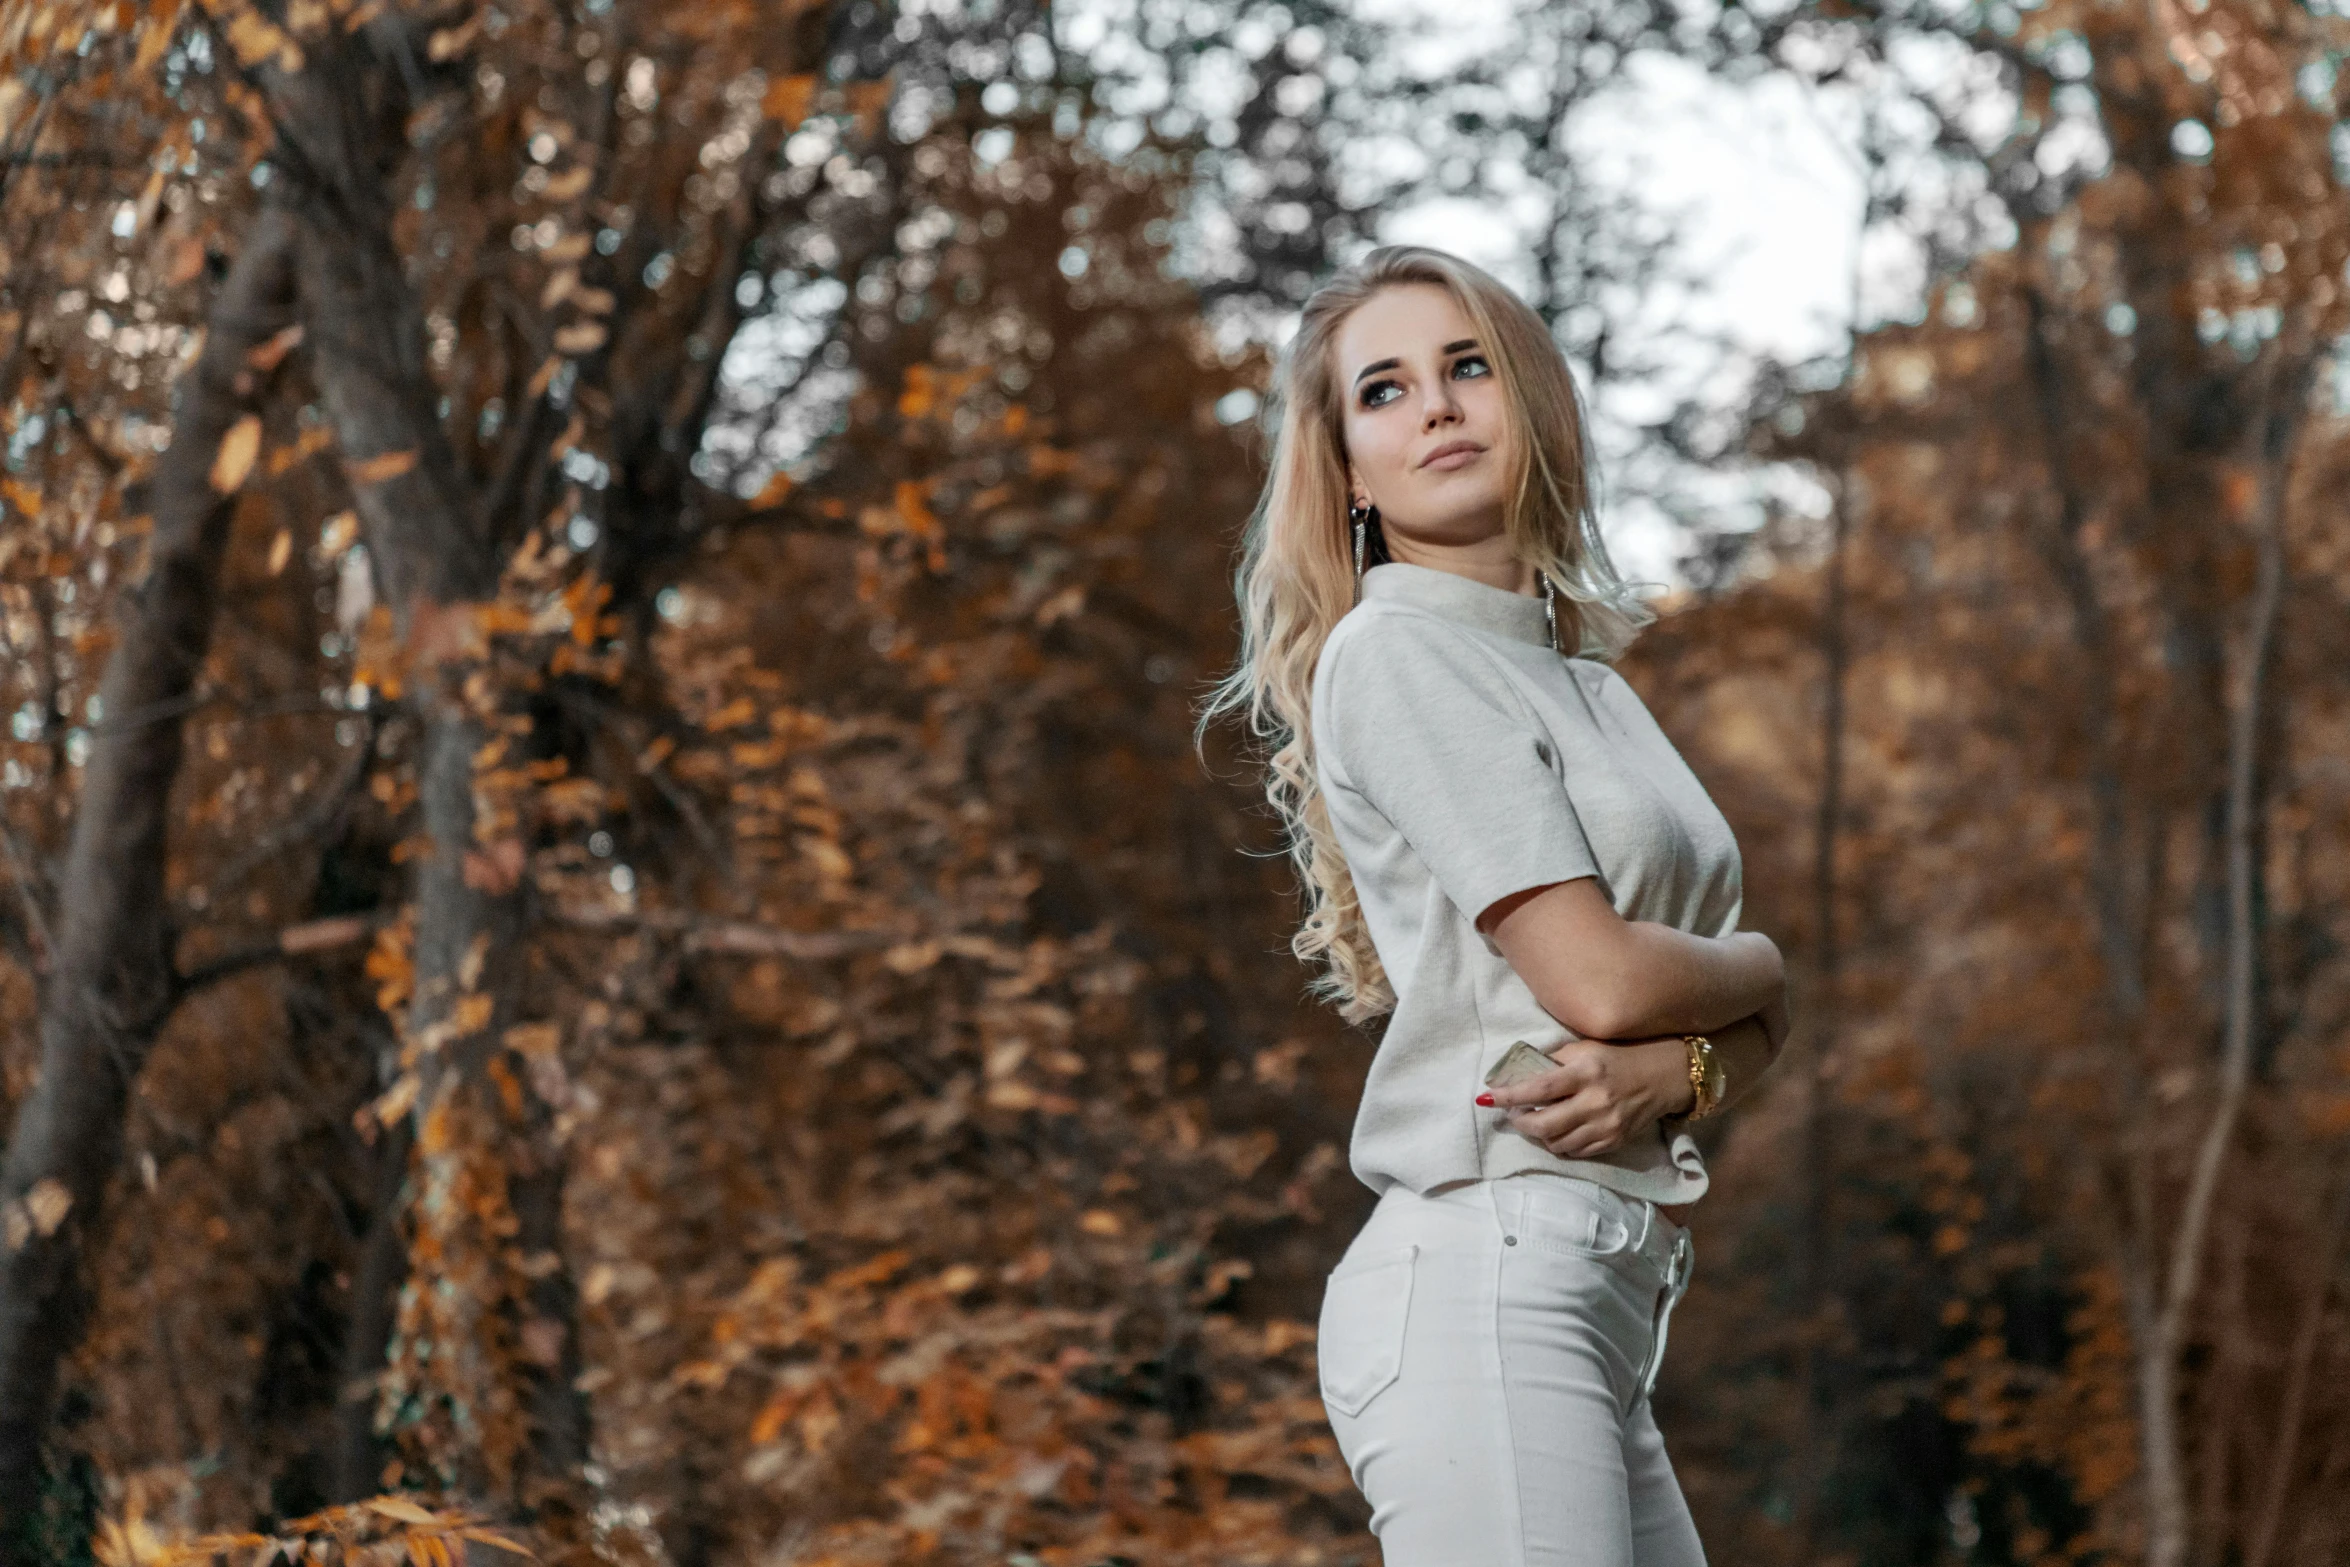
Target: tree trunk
pixel 435 556
pixel 2169 1535
pixel 111 984
pixel 1814 1262
pixel 355 1466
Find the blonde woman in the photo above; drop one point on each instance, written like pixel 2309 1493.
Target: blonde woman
pixel 1497 844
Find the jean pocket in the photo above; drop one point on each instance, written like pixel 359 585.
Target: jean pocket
pixel 1575 1218
pixel 1358 1348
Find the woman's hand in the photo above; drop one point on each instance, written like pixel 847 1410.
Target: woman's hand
pixel 1602 1094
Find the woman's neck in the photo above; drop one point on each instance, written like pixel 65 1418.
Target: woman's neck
pixel 1488 561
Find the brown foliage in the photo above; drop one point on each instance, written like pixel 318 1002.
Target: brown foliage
pixel 716 1013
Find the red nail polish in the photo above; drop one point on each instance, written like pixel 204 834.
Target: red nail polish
pixel 1485 1099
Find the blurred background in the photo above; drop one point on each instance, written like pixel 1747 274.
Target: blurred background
pixel 612 925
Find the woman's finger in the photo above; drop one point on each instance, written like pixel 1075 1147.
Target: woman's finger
pixel 1547 1088
pixel 1545 1122
pixel 1587 1138
pixel 1576 1148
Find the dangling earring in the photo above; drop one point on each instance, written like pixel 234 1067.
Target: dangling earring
pixel 1550 611
pixel 1363 517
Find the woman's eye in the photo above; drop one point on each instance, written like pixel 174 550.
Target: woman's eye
pixel 1372 399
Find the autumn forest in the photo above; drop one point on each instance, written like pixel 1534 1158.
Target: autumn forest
pixel 616 943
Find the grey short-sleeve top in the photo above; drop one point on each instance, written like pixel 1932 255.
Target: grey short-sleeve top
pixel 1461 759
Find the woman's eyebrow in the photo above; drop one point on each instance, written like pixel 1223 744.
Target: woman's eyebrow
pixel 1377 365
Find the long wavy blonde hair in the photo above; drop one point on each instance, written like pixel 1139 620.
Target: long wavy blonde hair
pixel 1296 571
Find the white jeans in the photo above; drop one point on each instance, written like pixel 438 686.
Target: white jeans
pixel 1486 1355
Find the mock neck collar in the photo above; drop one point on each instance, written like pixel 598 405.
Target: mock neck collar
pixel 1518 616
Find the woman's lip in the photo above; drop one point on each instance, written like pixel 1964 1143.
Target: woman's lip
pixel 1454 458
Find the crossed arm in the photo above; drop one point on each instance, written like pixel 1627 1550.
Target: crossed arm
pixel 1631 988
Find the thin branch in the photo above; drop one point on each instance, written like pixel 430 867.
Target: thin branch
pixel 2168 1542
pixel 2243 926
pixel 30 888
pixel 735 938
pixel 311 936
pixel 699 935
pixel 316 822
pixel 2296 1399
pixel 288 704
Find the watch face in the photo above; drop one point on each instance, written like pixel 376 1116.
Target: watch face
pixel 1716 1079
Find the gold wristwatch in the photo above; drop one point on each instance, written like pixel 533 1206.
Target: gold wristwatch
pixel 1707 1081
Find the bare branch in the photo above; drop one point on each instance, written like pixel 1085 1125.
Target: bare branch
pixel 295 941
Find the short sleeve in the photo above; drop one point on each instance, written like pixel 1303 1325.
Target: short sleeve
pixel 1426 727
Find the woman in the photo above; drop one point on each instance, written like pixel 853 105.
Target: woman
pixel 1497 844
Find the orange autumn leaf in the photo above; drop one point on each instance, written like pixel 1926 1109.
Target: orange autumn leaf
pixel 570 184
pixel 580 337
pixel 380 468
pixel 234 458
pixel 788 98
pixel 495 868
pixel 775 1415
pixel 268 354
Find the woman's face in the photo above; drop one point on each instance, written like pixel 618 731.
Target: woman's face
pixel 1414 383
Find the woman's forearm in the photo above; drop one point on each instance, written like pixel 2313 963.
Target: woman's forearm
pixel 1677 983
pixel 1607 977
